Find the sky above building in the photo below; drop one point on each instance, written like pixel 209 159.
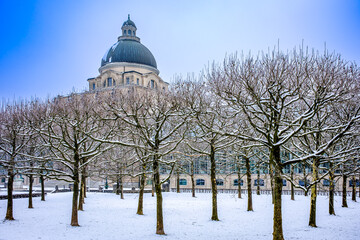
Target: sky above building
pixel 52 47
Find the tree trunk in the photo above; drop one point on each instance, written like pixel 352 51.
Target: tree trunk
pixel 331 191
pixel 82 189
pixel 9 210
pixel 121 188
pixel 353 195
pixel 177 182
pixel 277 228
pixel 305 181
pixel 152 187
pixel 159 210
pixel 81 197
pixel 42 188
pixel 214 216
pixel 272 183
pixel 312 218
pixel 141 195
pixel 248 180
pixel 85 178
pixel 292 185
pixel 30 191
pixel 239 183
pixel 278 184
pixel 117 185
pixel 258 182
pixel 74 215
pixel 344 202
pixel 192 179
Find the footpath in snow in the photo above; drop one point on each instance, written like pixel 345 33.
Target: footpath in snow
pixel 108 217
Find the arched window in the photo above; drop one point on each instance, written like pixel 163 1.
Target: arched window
pixel 133 33
pixel 93 86
pixel 124 32
pixel 128 80
pixel 236 182
pixel 261 182
pixel 219 182
pixel 110 81
pixel 182 181
pixel 129 32
pixel 137 81
pixel 284 182
pixel 200 182
pixel 152 84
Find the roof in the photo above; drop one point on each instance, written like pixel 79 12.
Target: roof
pixel 131 51
pixel 129 22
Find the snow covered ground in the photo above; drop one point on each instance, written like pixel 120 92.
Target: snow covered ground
pixel 108 217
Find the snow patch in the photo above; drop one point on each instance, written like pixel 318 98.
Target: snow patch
pixel 106 216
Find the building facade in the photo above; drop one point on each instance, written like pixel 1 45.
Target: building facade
pixel 128 63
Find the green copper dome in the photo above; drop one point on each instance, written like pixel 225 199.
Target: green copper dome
pixel 128 48
pixel 130 51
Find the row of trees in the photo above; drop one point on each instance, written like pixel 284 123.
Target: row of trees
pixel 299 103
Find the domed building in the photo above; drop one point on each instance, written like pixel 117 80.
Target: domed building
pixel 128 63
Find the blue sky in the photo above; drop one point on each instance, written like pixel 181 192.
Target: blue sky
pixel 51 47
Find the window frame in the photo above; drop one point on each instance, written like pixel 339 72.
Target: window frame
pixel 109 82
pixel 200 182
pixel 220 182
pixel 262 182
pixel 237 182
pixel 182 182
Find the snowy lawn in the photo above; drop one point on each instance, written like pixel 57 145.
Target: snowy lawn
pixel 108 217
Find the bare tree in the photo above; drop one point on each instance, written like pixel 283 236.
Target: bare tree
pixel 208 112
pixel 14 137
pixel 156 119
pixel 278 94
pixel 68 121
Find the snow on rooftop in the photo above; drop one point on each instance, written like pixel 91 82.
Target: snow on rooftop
pixel 106 216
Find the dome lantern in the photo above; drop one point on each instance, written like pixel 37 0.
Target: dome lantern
pixel 128 30
pixel 128 49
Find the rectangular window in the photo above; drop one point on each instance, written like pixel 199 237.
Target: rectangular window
pixel 200 182
pixel 128 80
pixel 182 181
pixel 302 183
pixel 137 81
pixel 351 183
pixel 219 182
pixel 261 182
pixel 109 83
pixel 326 182
pixel 236 182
